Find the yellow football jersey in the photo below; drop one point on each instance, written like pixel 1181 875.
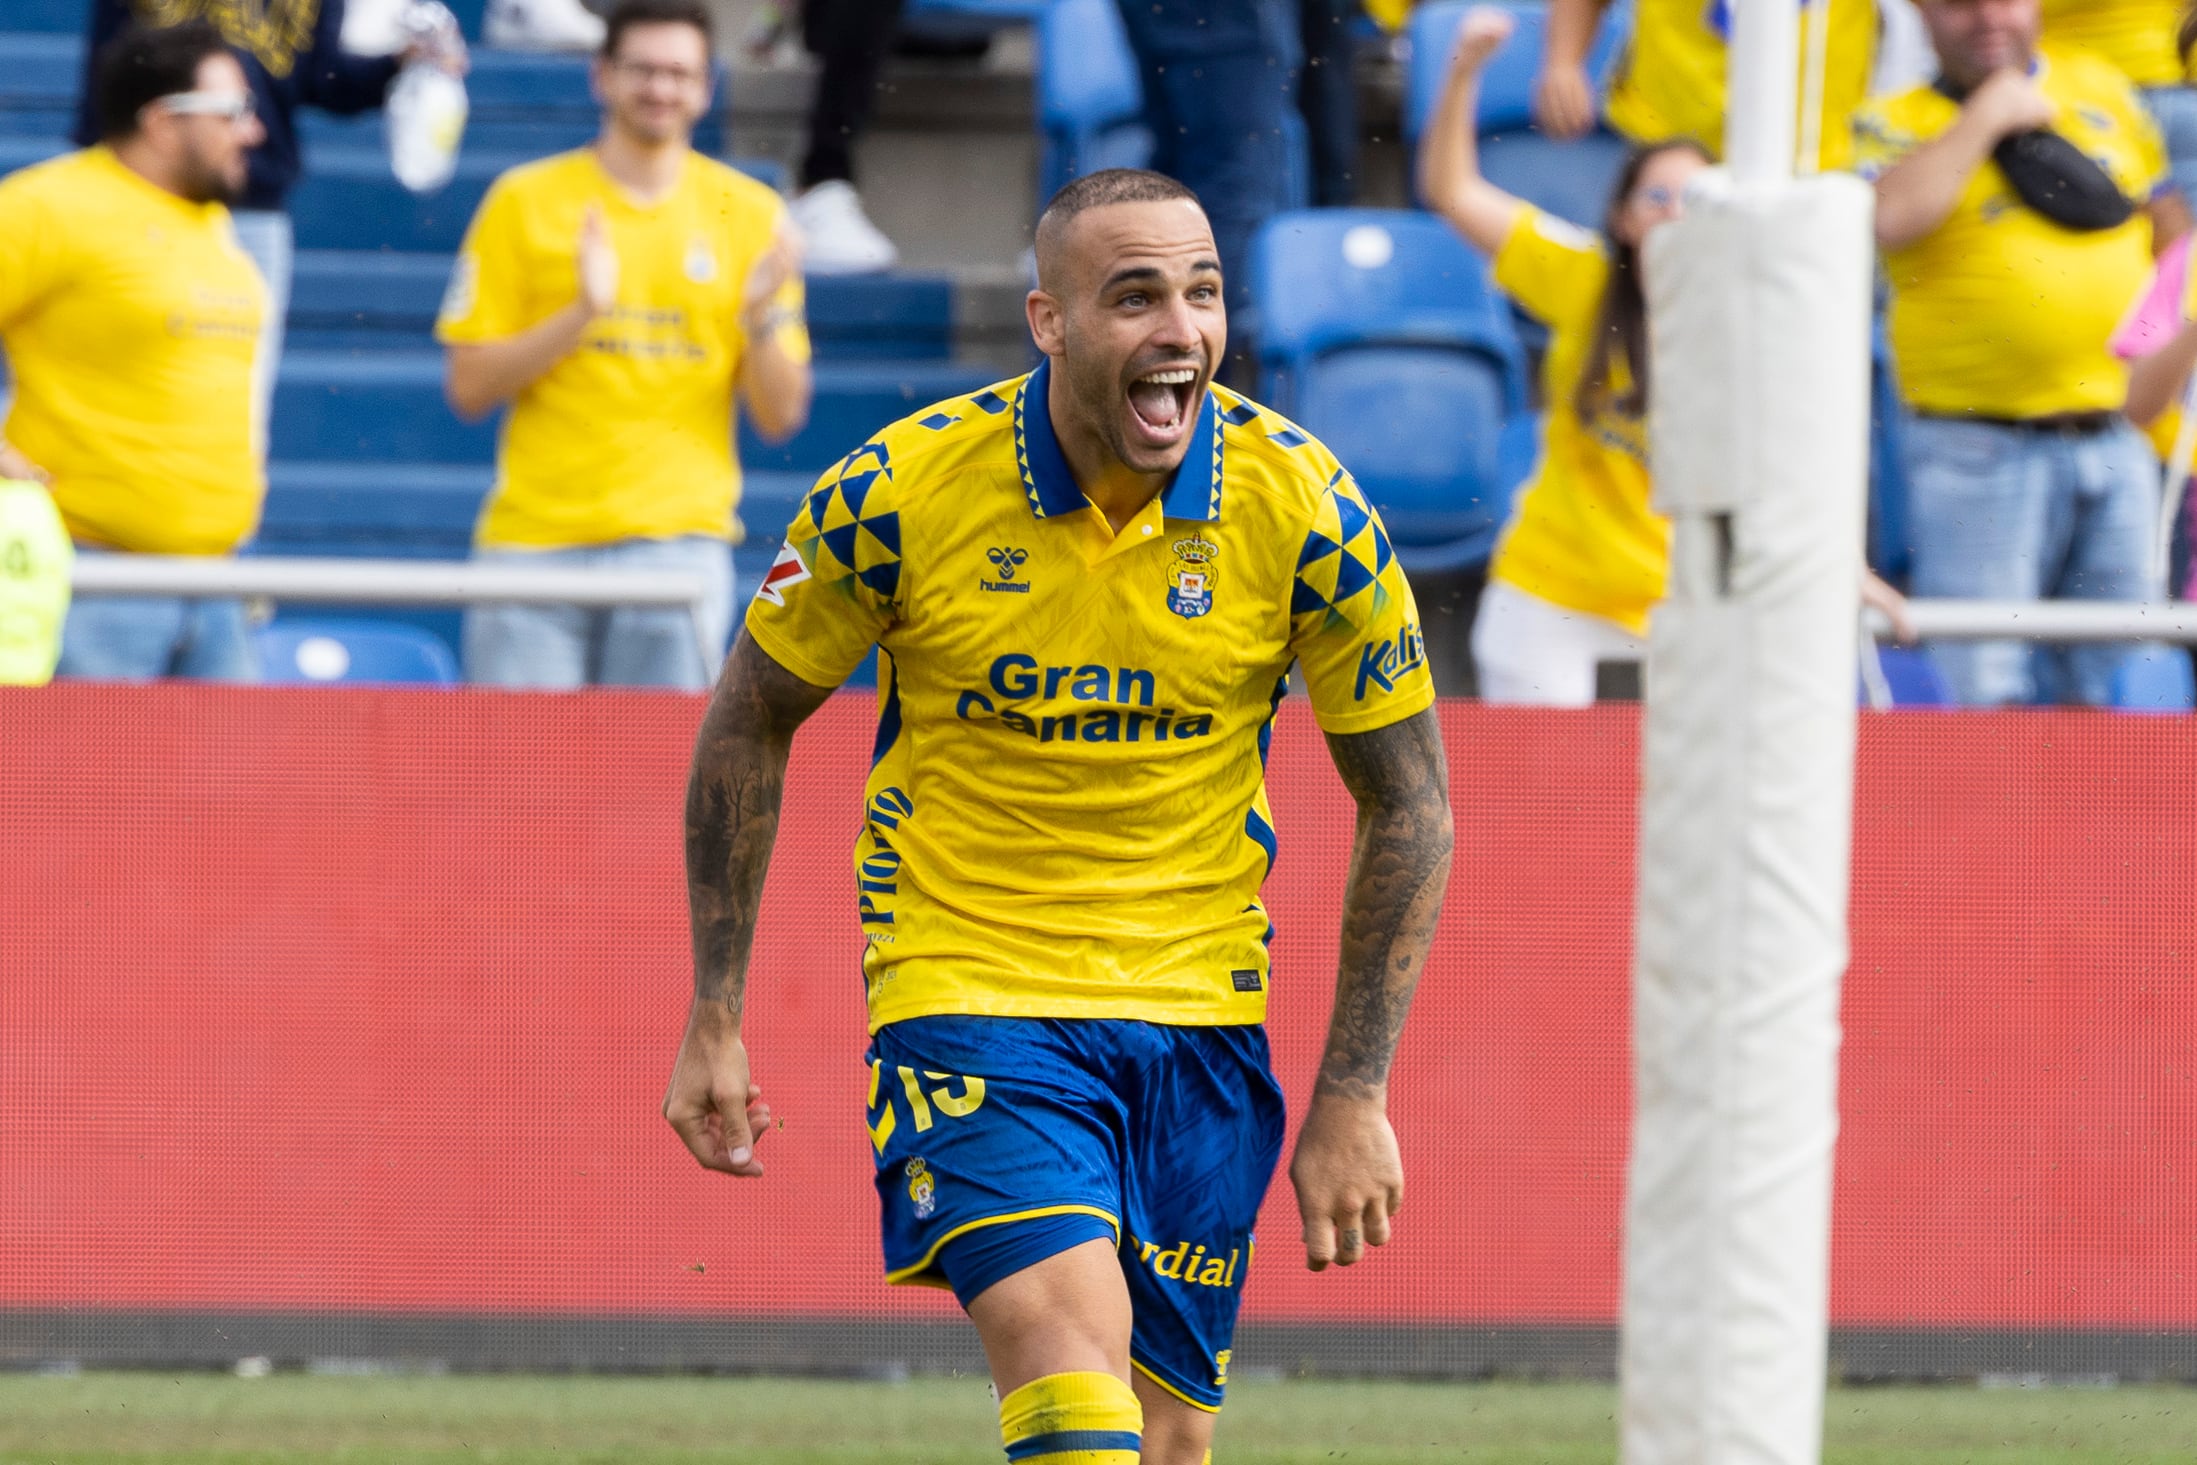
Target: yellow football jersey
pixel 631 435
pixel 1671 80
pixel 1582 536
pixel 2137 36
pixel 130 318
pixel 1999 311
pixel 1067 814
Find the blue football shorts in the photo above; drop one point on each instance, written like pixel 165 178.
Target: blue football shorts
pixel 1003 1141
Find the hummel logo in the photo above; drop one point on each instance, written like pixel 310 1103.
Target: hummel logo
pixel 1006 561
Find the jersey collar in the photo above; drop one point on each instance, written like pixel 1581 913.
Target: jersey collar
pixel 1193 493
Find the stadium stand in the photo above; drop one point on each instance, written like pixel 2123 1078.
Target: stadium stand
pixel 1372 318
pixel 365 457
pixel 1568 179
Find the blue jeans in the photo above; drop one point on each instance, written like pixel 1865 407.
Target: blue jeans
pixel 267 237
pixel 552 646
pixel 1220 83
pixel 2006 513
pixel 2174 108
pixel 137 637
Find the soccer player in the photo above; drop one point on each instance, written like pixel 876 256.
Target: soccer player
pixel 618 297
pixel 1088 586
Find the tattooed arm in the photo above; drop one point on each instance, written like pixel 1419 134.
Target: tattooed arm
pixel 1348 1176
pixel 732 821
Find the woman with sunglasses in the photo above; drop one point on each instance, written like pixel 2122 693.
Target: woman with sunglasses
pixel 1583 557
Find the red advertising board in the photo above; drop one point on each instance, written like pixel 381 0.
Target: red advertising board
pixel 333 1000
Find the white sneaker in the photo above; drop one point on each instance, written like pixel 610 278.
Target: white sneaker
pixel 838 238
pixel 542 25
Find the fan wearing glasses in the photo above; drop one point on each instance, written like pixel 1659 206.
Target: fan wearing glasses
pixel 131 318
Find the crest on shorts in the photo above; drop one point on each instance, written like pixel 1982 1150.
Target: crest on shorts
pixel 922 1189
pixel 1191 578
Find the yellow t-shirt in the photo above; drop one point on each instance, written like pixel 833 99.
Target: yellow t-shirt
pixel 1671 80
pixel 130 318
pixel 2000 311
pixel 631 435
pixel 2135 35
pixel 1582 536
pixel 1067 814
pixel 35 558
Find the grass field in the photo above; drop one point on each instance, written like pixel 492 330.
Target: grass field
pixel 210 1419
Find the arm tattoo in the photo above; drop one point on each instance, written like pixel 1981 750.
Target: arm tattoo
pixel 1399 869
pixel 733 791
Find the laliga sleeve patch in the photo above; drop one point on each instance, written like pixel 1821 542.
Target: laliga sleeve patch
pixel 785 571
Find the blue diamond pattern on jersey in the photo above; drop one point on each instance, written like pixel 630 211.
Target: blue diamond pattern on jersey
pixel 1339 568
pixel 846 531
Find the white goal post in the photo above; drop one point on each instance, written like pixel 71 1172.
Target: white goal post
pixel 1759 305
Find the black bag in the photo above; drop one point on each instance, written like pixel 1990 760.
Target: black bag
pixel 2057 178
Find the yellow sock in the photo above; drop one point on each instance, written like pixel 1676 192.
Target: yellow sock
pixel 1072 1419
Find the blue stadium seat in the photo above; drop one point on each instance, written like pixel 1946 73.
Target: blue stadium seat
pixel 1090 100
pixel 2155 679
pixel 1912 677
pixel 1569 179
pixel 58 17
pixel 1381 334
pixel 307 649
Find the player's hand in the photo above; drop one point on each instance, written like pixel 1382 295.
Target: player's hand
pixel 2009 102
pixel 1349 1179
pixel 14 465
pixel 1480 35
pixel 779 264
pixel 716 1108
pixel 598 263
pixel 1563 102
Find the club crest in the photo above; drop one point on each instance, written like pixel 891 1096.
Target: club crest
pixel 1190 580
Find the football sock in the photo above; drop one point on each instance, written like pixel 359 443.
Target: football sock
pixel 1072 1419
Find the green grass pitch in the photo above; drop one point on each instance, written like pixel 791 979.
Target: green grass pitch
pixel 210 1419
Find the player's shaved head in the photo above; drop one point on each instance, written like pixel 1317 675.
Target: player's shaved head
pixel 1056 226
pixel 1128 307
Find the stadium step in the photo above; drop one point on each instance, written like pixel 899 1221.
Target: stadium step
pixel 348 199
pixel 376 300
pixel 427 510
pixel 518 103
pixel 388 406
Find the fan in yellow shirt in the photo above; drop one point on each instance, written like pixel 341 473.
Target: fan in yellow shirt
pixel 617 298
pixel 2148 41
pixel 130 319
pixel 1670 84
pixel 1584 557
pixel 2025 479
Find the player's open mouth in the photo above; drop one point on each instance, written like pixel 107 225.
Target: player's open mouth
pixel 1159 404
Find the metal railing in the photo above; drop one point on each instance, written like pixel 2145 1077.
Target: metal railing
pixel 396 582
